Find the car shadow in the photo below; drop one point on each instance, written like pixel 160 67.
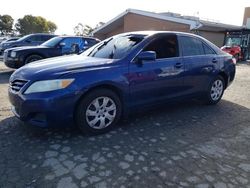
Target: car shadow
pixel 156 134
pixel 184 118
pixel 242 63
pixel 5 75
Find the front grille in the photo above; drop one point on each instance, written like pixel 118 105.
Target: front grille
pixel 17 85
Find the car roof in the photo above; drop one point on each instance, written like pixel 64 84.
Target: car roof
pixel 150 33
pixel 42 34
pixel 85 37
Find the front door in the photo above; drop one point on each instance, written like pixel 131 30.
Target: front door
pixel 162 79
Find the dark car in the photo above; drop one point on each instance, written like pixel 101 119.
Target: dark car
pixel 28 40
pixel 123 73
pixel 10 39
pixel 57 46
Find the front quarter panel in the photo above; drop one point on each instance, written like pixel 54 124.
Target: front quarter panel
pixel 113 75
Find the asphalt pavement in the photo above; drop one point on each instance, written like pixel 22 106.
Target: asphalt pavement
pixel 179 145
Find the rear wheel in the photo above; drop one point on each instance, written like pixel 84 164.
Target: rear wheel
pixel 215 90
pixel 32 58
pixel 98 111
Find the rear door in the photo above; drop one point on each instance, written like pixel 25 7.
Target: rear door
pixel 200 63
pixel 161 79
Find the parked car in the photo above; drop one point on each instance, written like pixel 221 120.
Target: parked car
pixel 11 39
pixel 123 73
pixel 3 39
pixel 28 40
pixel 57 46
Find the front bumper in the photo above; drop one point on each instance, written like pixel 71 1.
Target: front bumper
pixel 1 51
pixel 11 62
pixel 50 109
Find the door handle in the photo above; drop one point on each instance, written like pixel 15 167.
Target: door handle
pixel 214 60
pixel 178 65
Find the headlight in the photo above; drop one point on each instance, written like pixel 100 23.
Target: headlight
pixel 5 45
pixel 48 85
pixel 13 54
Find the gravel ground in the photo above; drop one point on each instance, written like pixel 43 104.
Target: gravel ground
pixel 182 145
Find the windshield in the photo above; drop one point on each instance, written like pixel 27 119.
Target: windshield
pixel 115 47
pixel 233 41
pixel 52 42
pixel 24 38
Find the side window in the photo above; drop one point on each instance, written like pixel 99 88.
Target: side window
pixel 69 42
pixel 191 46
pixel 91 42
pixel 208 50
pixel 34 38
pixel 164 47
pixel 46 37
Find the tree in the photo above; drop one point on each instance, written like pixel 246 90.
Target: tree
pixel 81 30
pixel 6 24
pixel 51 26
pixel 34 24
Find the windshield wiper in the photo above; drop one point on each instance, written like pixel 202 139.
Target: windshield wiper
pixel 95 50
pixel 111 55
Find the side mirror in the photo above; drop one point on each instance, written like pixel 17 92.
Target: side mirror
pixel 62 44
pixel 146 56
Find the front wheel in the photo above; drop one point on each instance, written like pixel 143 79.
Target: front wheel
pixel 98 111
pixel 32 58
pixel 215 90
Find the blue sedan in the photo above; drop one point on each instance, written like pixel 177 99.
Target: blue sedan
pixel 123 73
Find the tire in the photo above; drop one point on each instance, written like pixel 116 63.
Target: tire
pixel 93 116
pixel 32 58
pixel 215 91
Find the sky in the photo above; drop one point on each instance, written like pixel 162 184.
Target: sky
pixel 67 14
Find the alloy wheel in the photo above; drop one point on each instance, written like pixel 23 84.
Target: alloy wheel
pixel 216 90
pixel 101 112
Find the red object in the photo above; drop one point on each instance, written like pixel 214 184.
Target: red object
pixel 234 51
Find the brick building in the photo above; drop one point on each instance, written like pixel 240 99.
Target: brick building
pixel 136 20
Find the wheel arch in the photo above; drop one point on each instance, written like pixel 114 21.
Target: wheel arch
pixel 225 77
pixel 108 86
pixel 32 53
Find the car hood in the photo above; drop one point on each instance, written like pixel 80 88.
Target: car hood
pixel 55 67
pixel 16 49
pixel 9 44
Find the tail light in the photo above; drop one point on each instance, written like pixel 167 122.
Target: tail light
pixel 233 60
